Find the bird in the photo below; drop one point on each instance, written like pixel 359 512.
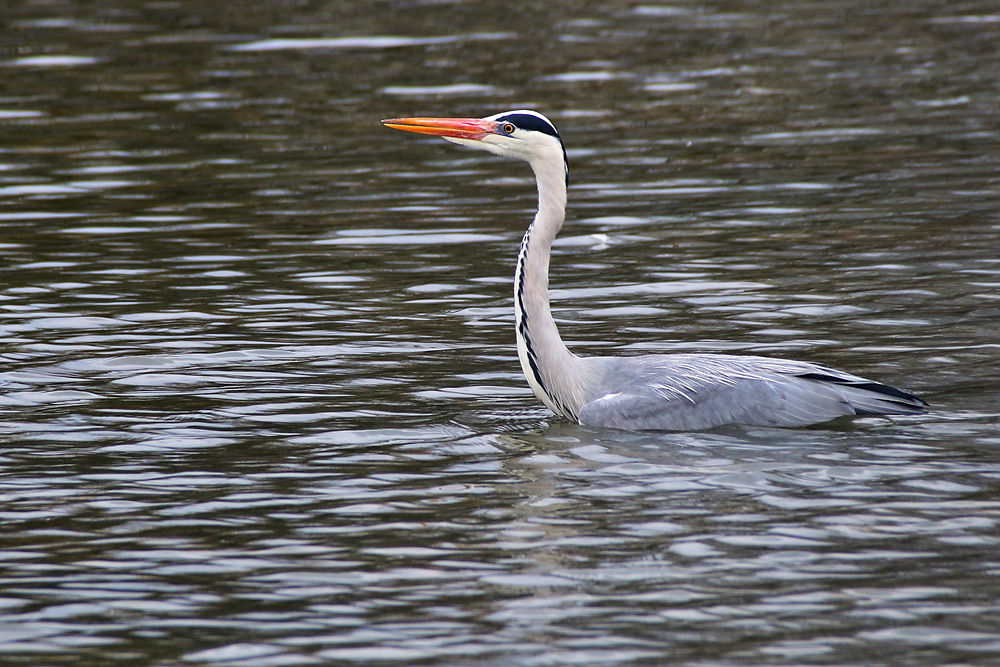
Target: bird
pixel 658 392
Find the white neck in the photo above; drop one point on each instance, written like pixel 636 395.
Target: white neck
pixel 551 369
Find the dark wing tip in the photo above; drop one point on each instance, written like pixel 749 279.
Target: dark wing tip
pixel 893 398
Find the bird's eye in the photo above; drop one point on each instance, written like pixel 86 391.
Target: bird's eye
pixel 509 128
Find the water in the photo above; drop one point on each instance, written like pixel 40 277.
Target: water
pixel 260 401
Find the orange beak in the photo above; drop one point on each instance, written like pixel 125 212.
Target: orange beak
pixel 462 128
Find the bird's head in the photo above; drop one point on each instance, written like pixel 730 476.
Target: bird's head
pixel 522 134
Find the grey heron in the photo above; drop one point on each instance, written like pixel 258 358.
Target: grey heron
pixel 682 391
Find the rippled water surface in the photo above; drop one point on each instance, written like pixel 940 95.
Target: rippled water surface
pixel 259 398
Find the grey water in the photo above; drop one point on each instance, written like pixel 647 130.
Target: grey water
pixel 259 397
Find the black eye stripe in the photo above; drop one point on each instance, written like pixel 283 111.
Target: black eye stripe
pixel 529 122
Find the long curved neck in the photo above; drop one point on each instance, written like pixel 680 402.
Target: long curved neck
pixel 551 369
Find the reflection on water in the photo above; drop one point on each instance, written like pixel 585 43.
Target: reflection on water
pixel 259 397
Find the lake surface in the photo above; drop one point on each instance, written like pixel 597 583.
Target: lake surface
pixel 259 396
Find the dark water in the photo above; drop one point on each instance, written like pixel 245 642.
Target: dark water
pixel 260 401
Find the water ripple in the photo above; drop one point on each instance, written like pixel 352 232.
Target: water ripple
pixel 259 397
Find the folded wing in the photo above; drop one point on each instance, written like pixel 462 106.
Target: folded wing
pixel 688 392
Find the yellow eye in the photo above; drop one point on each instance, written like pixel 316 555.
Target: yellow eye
pixel 509 129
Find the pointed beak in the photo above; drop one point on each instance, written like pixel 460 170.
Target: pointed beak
pixel 461 128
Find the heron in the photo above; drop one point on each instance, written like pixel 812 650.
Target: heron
pixel 674 391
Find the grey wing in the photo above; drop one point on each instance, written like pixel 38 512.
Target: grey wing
pixel 698 392
pixel 750 402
